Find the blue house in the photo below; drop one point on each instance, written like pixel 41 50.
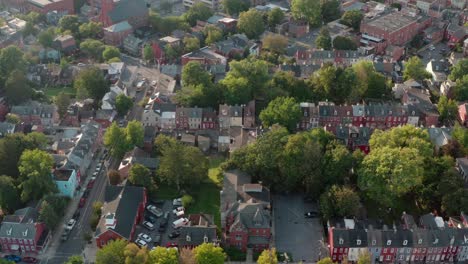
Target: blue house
pixel 66 181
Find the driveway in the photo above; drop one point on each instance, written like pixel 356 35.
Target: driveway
pixel 294 233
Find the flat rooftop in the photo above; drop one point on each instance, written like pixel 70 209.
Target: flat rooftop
pixel 392 21
pixel 62 175
pixel 43 3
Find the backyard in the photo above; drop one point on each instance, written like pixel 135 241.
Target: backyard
pixel 54 91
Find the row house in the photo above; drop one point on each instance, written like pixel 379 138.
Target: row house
pixel 36 113
pixel 209 119
pixel 205 56
pixel 189 118
pixel 336 57
pixel 309 117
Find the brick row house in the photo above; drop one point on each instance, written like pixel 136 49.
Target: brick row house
pixel 431 241
pixel 35 113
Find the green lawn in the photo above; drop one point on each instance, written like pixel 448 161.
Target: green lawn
pixel 54 91
pixel 214 171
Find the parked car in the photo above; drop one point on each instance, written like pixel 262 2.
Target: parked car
pixel 90 184
pixel 148 225
pixel 86 193
pixel 76 215
pixel 150 218
pixel 157 240
pixel 311 214
pixel 174 234
pixel 154 210
pixel 30 260
pixel 82 202
pixel 13 258
pixel 178 209
pixel 70 224
pixel 171 244
pixel 141 243
pixel 177 202
pixel 179 222
pixel 144 237
pixel 65 235
pixel 162 227
pixel 95 174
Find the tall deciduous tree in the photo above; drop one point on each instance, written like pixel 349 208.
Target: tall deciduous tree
pixel 92 48
pixel 284 111
pixel 115 139
pixel 112 253
pixel 324 40
pixel 275 16
pixel 62 101
pixel 114 177
pixel 414 69
pixel 326 260
pixel 70 23
pixel 141 176
pixel 339 202
pixel 186 256
pixel 191 44
pixel 268 256
pixel 49 216
pixel 344 43
pixel 208 253
pixel 76 259
pixel 35 168
pixel 198 11
pixel 275 43
pixel 234 7
pixel 352 18
pixel 9 195
pixel 212 34
pixel 330 10
pixel 92 82
pixel 365 258
pixel 135 255
pixel 461 89
pixel 17 88
pixel 308 10
pixel 46 37
pixel 459 70
pixel 162 255
pixel 253 70
pixel 448 109
pixel 135 133
pixel 11 59
pixel 123 103
pixel 90 30
pixel 148 53
pixel 110 52
pixel 251 23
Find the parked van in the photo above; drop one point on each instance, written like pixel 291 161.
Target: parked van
pixel 179 222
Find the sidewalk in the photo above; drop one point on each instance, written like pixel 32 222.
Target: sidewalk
pixel 89 253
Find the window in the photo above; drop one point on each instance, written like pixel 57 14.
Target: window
pixel 385 250
pixel 405 242
pixel 392 250
pixel 238 237
pixel 341 250
pixel 389 257
pixel 334 250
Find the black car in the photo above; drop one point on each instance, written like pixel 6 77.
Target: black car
pixel 76 215
pixel 150 218
pixel 86 193
pixel 162 228
pixel 157 240
pixel 174 234
pixel 311 214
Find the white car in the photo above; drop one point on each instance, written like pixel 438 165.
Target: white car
pixel 154 210
pixel 95 174
pixel 141 243
pixel 144 237
pixel 179 222
pixel 178 209
pixel 177 202
pixel 71 224
pixel 148 225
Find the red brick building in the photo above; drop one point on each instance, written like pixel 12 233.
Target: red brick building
pixel 122 211
pixel 116 33
pixel 209 119
pixel 463 114
pixel 338 240
pixel 45 6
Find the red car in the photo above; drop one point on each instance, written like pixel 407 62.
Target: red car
pixel 90 184
pixel 171 244
pixel 29 260
pixel 82 202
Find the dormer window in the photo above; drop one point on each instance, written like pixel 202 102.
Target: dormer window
pixel 205 239
pixel 188 238
pixel 341 241
pixel 348 112
pixel 436 241
pixel 374 242
pixel 405 242
pixel 358 242
pixel 25 233
pixel 8 232
pixel 420 241
pixel 335 113
pixel 389 242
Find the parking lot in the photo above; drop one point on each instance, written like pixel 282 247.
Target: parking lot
pixel 301 237
pixel 436 54
pixel 166 206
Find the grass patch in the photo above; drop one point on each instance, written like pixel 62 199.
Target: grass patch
pixel 54 91
pixel 165 192
pixel 214 170
pixel 206 200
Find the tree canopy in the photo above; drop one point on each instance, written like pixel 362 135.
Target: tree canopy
pixel 93 48
pixel 112 253
pixel 284 111
pixel 91 82
pixel 123 103
pixel 275 16
pixel 110 52
pixel 414 69
pixel 459 71
pixel 308 10
pixel 35 168
pixel 90 30
pixel 208 253
pixel 70 23
pixel 141 176
pixel 339 201
pixel 62 101
pixel 197 11
pixel 191 44
pixel 17 87
pixel 324 41
pixel 251 23
pixel 234 7
pixel 275 43
pixel 268 256
pixel 448 110
pixel 352 18
pixel 344 43
pixel 9 195
pixel 162 255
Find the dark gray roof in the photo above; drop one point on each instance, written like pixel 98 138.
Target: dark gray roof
pixel 126 9
pixel 357 238
pixel 20 225
pixel 150 163
pixel 420 237
pixel 341 238
pixel 196 235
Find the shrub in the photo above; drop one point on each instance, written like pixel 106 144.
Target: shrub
pixel 235 254
pixel 187 200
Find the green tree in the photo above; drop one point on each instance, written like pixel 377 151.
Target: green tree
pixel 191 44
pixel 309 10
pixel 459 70
pixel 12 118
pixel 115 140
pixel 123 103
pixel 286 84
pixel 93 48
pixel 275 43
pixel 135 255
pixel 251 23
pixel 186 256
pixel 255 71
pixel 268 256
pixel 135 133
pixel 337 163
pixel 208 253
pixel 212 34
pixel 344 43
pixel 461 89
pixel 76 259
pixel 365 258
pixel 275 16
pixel 9 196
pixel 90 30
pixel 284 111
pixel 148 53
pixel 49 216
pixel 352 19
pixel 162 255
pixel 198 11
pixel 194 74
pixel 29 29
pixel 110 52
pixel 141 176
pixel 35 168
pixel 236 90
pixel 448 109
pixel 62 101
pixel 330 10
pixel 370 83
pixel 46 37
pixel 114 177
pixel 326 260
pixel 91 82
pixel 112 253
pixel 414 69
pixel 170 52
pixel 234 7
pixel 459 133
pixel 70 23
pixel 17 88
pixel 339 201
pixel 11 59
pixel 323 40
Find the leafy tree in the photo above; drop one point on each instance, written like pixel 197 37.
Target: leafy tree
pixel 112 253
pixel 148 53
pixel 93 48
pixel 234 7
pixel 208 253
pixel 352 19
pixel 237 90
pixel 198 11
pixel 170 52
pixel 459 70
pixel 309 10
pixel 284 111
pixel 91 82
pixel 414 69
pixel 35 167
pixel 344 43
pixel 275 43
pixel 161 142
pixel 198 88
pixel 162 255
pixel 46 37
pixel 337 163
pixel 251 23
pixel 453 148
pixel 330 10
pixel 62 101
pixel 323 40
pixel 114 177
pixel 191 44
pixel 115 140
pixel 461 89
pixel 110 52
pixel 135 133
pixel 275 16
pixel 11 59
pixel 365 258
pixel 285 84
pixel 326 260
pixel 141 176
pixel 90 30
pixel 17 88
pixel 253 70
pixel 29 29
pixel 186 256
pixel 135 255
pixel 396 5
pixel 12 118
pixel 9 196
pixel 333 83
pixel 49 216
pixel 123 103
pixel 212 34
pixel 455 201
pixel 459 133
pixel 448 109
pixel 339 201
pixel 268 256
pixel 370 83
pixel 70 23
pixel 76 259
